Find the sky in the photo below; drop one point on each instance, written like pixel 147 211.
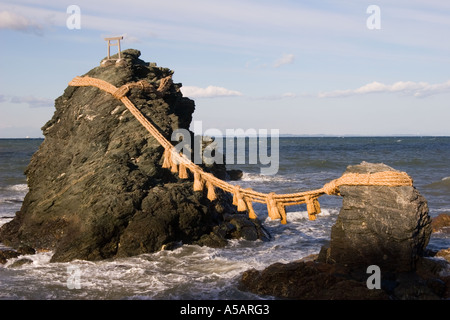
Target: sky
pixel 347 67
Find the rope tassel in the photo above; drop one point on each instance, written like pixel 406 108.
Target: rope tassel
pixel 272 207
pixel 238 200
pixel 313 207
pixel 211 191
pixel 198 182
pixel 167 163
pixel 248 202
pixel 251 212
pixel 182 171
pixel 282 211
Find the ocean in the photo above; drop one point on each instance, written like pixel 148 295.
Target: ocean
pixel 193 272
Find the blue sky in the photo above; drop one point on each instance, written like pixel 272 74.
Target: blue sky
pixel 303 67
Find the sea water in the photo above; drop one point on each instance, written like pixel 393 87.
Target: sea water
pixel 193 272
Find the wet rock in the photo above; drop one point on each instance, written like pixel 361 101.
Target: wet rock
pixel 7 254
pixel 236 226
pixel 441 223
pixel 20 262
pixel 235 174
pixel 307 281
pixel 435 272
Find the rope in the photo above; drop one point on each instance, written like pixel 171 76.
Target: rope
pixel 242 198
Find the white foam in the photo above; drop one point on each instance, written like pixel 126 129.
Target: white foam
pixel 18 187
pixel 189 272
pixel 254 177
pixel 303 215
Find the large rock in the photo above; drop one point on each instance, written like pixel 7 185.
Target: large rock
pixel 384 226
pixel 96 186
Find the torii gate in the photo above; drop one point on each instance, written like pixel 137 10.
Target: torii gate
pixel 114 44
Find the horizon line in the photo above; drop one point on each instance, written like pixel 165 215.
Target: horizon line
pixel 294 135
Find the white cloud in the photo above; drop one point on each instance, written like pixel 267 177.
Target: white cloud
pixel 285 59
pixel 410 88
pixel 33 102
pixel 288 95
pixel 14 21
pixel 208 92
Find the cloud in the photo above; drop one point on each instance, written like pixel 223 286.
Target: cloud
pixel 409 88
pixel 12 21
pixel 208 92
pixel 33 102
pixel 289 95
pixel 285 59
pixel 131 39
pixel 283 96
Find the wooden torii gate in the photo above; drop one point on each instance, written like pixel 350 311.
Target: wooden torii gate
pixel 112 41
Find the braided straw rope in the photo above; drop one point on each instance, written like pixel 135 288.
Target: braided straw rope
pixel 242 198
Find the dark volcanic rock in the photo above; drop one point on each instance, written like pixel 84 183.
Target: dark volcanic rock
pixel 307 281
pixel 96 185
pixel 384 226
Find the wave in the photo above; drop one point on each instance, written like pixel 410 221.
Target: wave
pixel 11 200
pixel 443 183
pixel 18 187
pixel 300 216
pixel 254 177
pixel 188 272
pixel 13 194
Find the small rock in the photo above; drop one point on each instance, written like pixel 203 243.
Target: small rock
pixel 7 254
pixel 20 262
pixel 444 253
pixel 234 175
pixel 441 223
